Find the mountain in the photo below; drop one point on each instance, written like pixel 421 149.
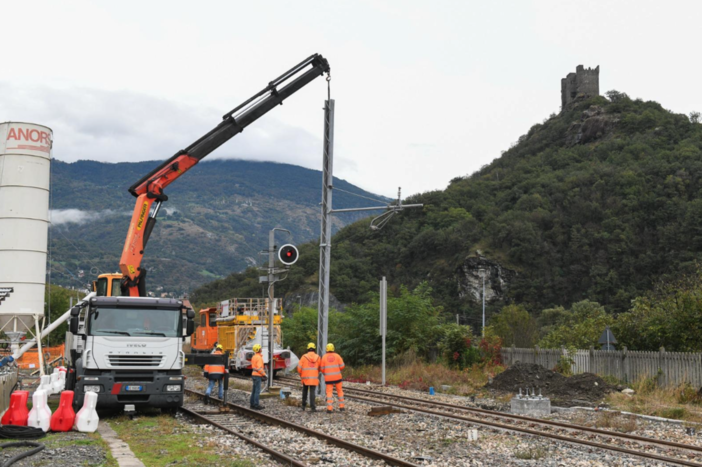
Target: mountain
pixel 216 221
pixel 599 202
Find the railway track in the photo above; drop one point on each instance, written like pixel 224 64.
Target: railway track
pixel 649 448
pixel 241 419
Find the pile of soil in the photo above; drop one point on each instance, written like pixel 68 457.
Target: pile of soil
pixel 583 389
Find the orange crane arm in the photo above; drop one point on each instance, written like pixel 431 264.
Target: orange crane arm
pixel 149 189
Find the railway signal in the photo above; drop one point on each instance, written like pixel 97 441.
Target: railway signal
pixel 288 254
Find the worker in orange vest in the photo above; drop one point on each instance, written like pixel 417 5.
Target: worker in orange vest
pixel 257 373
pixel 215 373
pixel 309 375
pixel 331 367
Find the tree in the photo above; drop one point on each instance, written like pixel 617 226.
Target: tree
pixel 670 316
pixel 515 326
pixel 413 323
pixel 579 327
pixel 695 117
pixel 456 346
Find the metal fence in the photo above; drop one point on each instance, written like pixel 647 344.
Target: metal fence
pixel 7 382
pixel 669 368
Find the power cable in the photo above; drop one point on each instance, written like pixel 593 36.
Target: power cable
pixel 37 447
pixel 360 196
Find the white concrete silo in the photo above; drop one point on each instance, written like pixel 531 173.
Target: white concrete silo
pixel 25 158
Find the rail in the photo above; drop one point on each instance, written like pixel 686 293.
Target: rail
pixel 366 452
pixel 519 419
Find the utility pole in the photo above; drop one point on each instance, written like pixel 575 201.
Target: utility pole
pixel 271 278
pixel 483 274
pixel 383 317
pixel 325 234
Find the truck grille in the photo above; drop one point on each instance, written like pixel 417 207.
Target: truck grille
pixel 135 360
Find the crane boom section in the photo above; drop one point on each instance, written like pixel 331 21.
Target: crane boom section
pixel 149 189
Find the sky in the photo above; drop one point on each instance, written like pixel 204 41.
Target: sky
pixel 424 91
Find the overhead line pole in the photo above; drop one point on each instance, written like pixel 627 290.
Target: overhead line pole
pixel 325 234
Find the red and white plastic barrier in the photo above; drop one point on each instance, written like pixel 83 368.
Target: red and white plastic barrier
pixel 64 417
pixel 87 418
pixel 17 414
pixel 40 415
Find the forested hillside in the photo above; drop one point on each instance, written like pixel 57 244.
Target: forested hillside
pixel 215 222
pixel 600 202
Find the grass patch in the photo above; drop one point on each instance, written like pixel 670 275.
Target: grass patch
pixel 679 403
pixel 421 376
pixel 177 442
pixel 531 453
pixel 616 421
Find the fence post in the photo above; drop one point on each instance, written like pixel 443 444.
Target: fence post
pixel 625 364
pixel 591 360
pixel 661 362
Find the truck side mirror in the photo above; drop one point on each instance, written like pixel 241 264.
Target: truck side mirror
pixel 191 314
pixel 73 326
pixel 190 327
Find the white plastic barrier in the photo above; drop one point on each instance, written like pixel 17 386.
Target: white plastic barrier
pixel 45 384
pixel 87 418
pixel 56 383
pixel 40 415
pixel 62 380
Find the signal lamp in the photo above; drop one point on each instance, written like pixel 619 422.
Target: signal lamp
pixel 288 254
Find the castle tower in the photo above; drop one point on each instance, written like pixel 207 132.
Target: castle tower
pixel 584 82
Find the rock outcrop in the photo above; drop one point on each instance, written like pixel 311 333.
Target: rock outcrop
pixel 594 124
pixel 470 279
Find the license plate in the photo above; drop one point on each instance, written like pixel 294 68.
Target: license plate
pixel 134 388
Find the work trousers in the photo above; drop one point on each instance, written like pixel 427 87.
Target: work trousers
pixel 312 390
pixel 220 385
pixel 330 395
pixel 255 391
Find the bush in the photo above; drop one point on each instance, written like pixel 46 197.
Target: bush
pixel 455 346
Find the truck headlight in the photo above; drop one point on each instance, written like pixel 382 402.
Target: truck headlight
pixel 93 388
pixel 173 388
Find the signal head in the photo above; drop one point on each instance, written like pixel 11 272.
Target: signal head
pixel 288 254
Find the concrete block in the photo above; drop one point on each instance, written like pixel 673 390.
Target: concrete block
pixel 531 407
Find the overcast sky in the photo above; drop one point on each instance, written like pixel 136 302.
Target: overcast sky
pixel 425 90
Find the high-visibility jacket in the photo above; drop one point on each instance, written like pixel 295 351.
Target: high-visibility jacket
pixel 309 369
pixel 257 366
pixel 215 370
pixel 331 367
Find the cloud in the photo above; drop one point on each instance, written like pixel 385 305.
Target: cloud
pixel 77 216
pixel 120 126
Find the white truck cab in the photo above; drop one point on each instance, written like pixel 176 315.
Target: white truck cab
pixel 129 351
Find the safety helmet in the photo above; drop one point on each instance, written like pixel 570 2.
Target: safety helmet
pixel 257 348
pixel 219 347
pixel 330 347
pixel 311 346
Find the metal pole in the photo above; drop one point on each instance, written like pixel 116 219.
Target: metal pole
pixel 325 237
pixel 271 303
pixel 39 351
pixel 483 303
pixel 383 317
pixel 457 321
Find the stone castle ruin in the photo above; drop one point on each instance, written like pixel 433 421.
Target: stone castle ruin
pixel 584 82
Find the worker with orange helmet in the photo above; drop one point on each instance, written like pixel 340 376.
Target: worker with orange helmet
pixel 258 372
pixel 331 366
pixel 308 368
pixel 215 373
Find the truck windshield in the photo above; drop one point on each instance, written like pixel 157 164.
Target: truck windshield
pixel 135 322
